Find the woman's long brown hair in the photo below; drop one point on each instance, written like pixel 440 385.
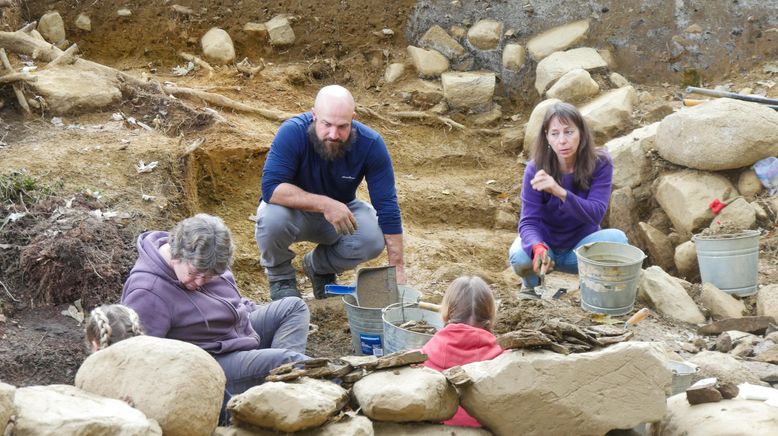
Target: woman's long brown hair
pixel 586 156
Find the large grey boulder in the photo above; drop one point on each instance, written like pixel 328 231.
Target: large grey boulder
pixel 438 39
pixel 610 112
pixel 719 135
pixel 7 409
pixel 767 301
pixel 470 92
pixel 289 407
pixel 557 39
pixel 559 63
pixel 485 34
pixel 217 46
pixel 724 367
pixel 56 410
pixel 631 165
pixel 535 122
pixel 685 196
pixel 428 63
pixel 406 395
pixel 69 89
pixel 668 296
pixel 540 392
pixel 727 417
pixel 574 86
pixel 721 304
pixel 52 27
pixel 184 394
pixel 738 215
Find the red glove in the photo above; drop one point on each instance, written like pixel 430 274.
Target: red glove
pixel 716 205
pixel 540 258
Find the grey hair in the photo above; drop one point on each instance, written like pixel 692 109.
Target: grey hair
pixel 111 323
pixel 203 241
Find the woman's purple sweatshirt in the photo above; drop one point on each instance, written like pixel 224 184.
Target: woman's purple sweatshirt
pixel 214 317
pixel 560 225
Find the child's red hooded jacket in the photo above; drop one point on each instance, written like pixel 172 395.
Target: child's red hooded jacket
pixel 459 344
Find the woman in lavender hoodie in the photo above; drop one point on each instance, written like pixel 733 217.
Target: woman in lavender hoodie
pixel 182 288
pixel 564 195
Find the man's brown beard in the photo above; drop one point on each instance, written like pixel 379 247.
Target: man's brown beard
pixel 338 149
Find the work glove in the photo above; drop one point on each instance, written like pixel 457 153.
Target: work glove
pixel 541 262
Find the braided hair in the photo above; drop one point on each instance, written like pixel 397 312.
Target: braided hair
pixel 111 323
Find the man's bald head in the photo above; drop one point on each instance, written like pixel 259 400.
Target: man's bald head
pixel 332 112
pixel 334 97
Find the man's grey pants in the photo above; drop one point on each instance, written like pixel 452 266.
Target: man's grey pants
pixel 278 227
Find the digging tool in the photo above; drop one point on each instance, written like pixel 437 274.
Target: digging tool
pixel 376 287
pixel 640 315
pixel 769 102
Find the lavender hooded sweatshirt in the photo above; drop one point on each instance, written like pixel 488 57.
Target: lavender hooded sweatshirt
pixel 545 218
pixel 214 317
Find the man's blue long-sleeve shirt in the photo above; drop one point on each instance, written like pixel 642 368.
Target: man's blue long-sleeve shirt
pixel 292 159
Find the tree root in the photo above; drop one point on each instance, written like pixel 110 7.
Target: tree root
pixel 222 101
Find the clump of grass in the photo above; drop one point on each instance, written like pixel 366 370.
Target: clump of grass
pixel 21 187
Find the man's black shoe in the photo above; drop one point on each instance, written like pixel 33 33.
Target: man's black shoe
pixel 318 281
pixel 283 288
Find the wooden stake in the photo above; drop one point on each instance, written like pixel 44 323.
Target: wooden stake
pixel 17 89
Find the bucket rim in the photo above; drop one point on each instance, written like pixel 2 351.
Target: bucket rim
pixel 401 305
pixel 743 234
pixel 578 254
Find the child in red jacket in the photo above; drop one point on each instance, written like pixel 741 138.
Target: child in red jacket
pixel 468 310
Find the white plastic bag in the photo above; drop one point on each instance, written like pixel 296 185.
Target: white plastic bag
pixel 767 172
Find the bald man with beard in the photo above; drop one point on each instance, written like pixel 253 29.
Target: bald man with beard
pixel 309 183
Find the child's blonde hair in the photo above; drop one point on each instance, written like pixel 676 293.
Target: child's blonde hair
pixel 111 323
pixel 469 300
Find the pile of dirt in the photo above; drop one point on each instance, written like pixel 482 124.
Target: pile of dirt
pixel 61 250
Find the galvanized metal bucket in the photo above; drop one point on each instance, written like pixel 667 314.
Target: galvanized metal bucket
pixel 397 338
pixel 609 274
pixel 683 374
pixel 730 262
pixel 366 324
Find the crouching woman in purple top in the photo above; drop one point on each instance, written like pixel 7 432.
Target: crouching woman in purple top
pixel 564 195
pixel 182 288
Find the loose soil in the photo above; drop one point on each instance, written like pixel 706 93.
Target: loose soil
pixel 451 184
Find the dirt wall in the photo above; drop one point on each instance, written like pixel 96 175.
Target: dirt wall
pixel 651 40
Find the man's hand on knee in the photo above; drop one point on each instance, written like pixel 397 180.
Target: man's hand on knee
pixel 340 216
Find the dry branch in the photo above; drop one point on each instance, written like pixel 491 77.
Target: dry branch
pixel 418 115
pixel 370 112
pixel 17 77
pixel 28 27
pixel 17 90
pixel 220 100
pixel 37 35
pixel 197 61
pixel 65 58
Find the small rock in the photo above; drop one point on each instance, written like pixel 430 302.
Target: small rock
pixel 703 391
pixel 721 304
pixel 217 46
pixel 750 324
pixel 394 72
pixel 428 63
pixel 259 30
pixel 51 27
pixel 124 12
pixel 437 39
pixel 183 10
pixel 457 31
pixel 485 34
pixel 83 22
pixel 748 184
pixel 618 80
pixel 280 31
pixel 728 390
pixel 724 343
pixel 513 57
pixel 694 28
pixel 505 220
